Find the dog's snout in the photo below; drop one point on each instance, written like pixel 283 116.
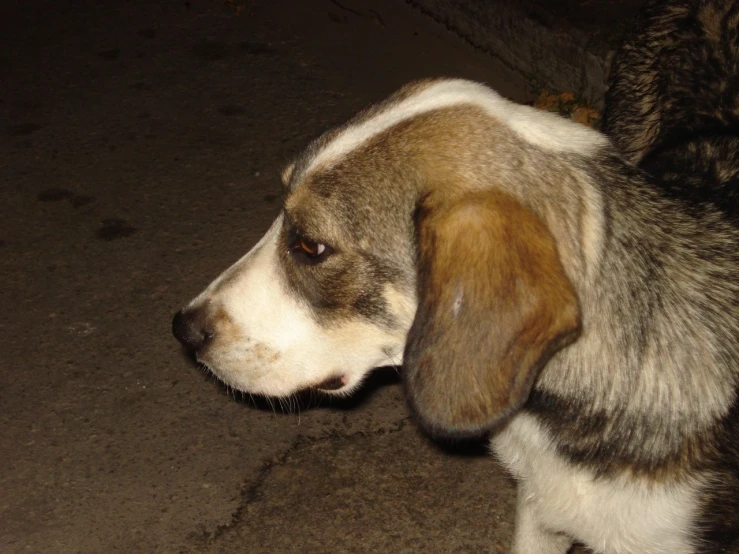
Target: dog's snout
pixel 188 327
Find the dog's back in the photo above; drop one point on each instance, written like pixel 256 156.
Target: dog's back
pixel 672 108
pixel 675 76
pixel 673 102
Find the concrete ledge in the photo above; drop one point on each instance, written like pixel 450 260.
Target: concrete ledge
pixel 565 46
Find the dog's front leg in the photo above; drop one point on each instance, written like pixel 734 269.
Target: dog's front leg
pixel 530 536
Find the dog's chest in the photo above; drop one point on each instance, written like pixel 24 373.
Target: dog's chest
pixel 611 515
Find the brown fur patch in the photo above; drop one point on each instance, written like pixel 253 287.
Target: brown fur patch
pixel 225 329
pixel 494 306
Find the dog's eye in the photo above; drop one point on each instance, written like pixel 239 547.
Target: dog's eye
pixel 311 248
pixel 309 251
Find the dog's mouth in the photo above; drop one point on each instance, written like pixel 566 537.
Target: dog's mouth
pixel 332 383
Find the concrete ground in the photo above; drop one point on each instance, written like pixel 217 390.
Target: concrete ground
pixel 560 45
pixel 140 147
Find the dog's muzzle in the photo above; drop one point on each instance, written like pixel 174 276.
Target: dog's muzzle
pixel 189 327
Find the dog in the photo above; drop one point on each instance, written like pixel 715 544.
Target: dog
pixel 571 294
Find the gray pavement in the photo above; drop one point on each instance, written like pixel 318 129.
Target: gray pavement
pixel 561 45
pixel 140 147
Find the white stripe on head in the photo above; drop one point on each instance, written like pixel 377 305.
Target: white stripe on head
pixel 542 129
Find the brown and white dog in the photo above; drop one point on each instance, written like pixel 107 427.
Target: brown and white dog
pixel 533 283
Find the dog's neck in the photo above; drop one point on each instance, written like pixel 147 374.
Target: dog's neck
pixel 643 290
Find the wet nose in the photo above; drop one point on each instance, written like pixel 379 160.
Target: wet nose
pixel 188 327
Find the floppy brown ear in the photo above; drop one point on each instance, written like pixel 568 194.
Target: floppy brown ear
pixel 494 306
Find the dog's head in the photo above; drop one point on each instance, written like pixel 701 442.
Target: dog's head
pixel 425 231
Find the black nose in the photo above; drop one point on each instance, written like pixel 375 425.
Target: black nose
pixel 188 327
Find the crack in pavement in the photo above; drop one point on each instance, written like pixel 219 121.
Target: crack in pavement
pixel 250 490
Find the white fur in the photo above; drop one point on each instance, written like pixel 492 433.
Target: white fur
pixel 274 345
pixel 623 515
pixel 542 129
